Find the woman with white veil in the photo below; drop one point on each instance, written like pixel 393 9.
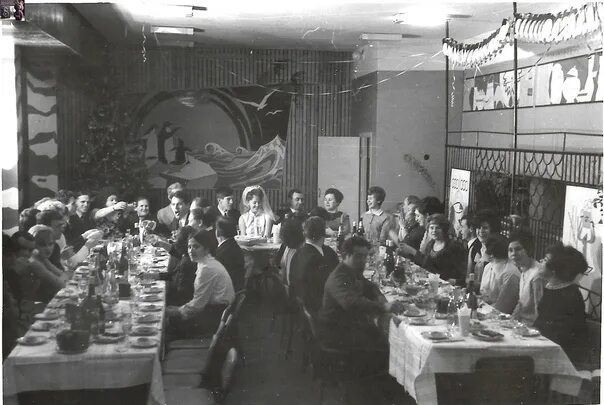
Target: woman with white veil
pixel 257 217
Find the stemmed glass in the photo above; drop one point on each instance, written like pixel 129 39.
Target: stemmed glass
pixel 126 324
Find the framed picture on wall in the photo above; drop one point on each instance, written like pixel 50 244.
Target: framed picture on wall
pixel 459 197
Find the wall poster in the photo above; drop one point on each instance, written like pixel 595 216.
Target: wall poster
pixel 567 81
pixel 459 197
pixel 582 229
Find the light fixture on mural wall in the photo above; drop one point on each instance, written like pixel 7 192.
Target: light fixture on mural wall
pixel 172 30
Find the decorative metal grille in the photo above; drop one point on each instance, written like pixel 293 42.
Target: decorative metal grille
pixel 540 183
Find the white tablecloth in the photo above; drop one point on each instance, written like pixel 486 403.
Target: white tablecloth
pixel 40 368
pixel 414 360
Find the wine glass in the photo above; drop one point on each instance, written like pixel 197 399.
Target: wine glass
pixel 126 325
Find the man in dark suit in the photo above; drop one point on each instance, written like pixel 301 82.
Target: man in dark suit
pixel 311 265
pixel 224 207
pixel 229 253
pixel 471 242
pixel 294 207
pixel 165 216
pixel 178 213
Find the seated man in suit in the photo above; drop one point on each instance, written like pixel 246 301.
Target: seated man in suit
pixel 165 216
pixel 311 265
pixel 294 208
pixel 179 210
pixel 229 253
pixel 224 207
pixel 350 304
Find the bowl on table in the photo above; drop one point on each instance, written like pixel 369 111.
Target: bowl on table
pixel 435 335
pixel 143 342
pixel 412 289
pixel 143 330
pixel 73 341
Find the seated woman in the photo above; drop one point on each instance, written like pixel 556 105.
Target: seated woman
pixel 335 217
pixel 426 207
pixel 561 311
pixel 213 292
pixel 27 218
pixel 443 256
pixel 499 285
pixel 257 218
pixel 51 278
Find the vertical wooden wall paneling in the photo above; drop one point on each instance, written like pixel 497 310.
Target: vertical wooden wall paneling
pixel 177 69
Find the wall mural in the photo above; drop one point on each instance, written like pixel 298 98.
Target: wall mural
pixel 207 138
pixel 567 81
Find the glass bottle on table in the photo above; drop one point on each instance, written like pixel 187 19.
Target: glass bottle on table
pixel 389 262
pixel 90 312
pixel 340 238
pixel 354 228
pixel 361 231
pixel 471 298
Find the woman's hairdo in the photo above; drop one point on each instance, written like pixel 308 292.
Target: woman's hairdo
pixel 440 220
pixel 337 194
pixel 204 238
pixel 566 263
pixel 254 192
pixel 226 227
pixel 497 246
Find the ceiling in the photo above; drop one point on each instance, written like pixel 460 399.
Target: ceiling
pixel 311 24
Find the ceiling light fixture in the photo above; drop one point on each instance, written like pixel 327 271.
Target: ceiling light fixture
pixel 172 30
pixel 381 37
pixel 431 16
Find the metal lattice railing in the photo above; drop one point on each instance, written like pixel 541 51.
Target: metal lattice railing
pixel 540 181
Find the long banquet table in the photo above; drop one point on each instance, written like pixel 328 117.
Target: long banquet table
pixel 414 360
pixel 42 368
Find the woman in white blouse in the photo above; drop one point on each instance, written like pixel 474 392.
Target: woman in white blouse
pixel 257 218
pixel 499 285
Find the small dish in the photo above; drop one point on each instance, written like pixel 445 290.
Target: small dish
pixel 143 343
pixel 32 340
pixel 151 298
pixel 412 312
pixel 108 339
pixel 488 335
pixel 41 326
pixel 48 315
pixel 152 290
pixel 148 318
pixel 435 335
pixel 150 308
pixel 527 332
pixel 143 331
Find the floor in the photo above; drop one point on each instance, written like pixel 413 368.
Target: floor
pixel 267 377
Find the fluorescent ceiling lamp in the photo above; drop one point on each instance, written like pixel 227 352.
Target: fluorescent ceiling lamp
pixel 156 10
pixel 381 37
pixel 172 30
pixel 185 44
pixel 423 16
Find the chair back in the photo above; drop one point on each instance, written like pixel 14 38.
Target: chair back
pixel 214 346
pixel 504 380
pixel 228 369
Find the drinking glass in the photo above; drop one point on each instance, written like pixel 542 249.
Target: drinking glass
pixel 126 324
pixel 82 289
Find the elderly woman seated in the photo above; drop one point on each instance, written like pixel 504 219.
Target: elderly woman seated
pixel 443 255
pixel 561 311
pixel 213 292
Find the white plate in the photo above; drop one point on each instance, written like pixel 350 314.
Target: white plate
pixel 414 314
pixel 143 343
pixel 144 330
pixel 435 335
pixel 150 308
pixel 41 326
pixel 151 298
pixel 32 340
pixel 47 316
pixel 148 318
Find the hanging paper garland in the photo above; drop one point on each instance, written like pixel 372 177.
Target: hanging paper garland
pixel 479 53
pixel 566 25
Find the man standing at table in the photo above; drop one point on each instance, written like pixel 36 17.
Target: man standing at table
pixel 375 221
pixel 350 303
pixel 471 241
pixel 224 207
pixel 311 265
pixel 165 216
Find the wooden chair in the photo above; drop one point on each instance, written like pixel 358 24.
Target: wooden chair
pixel 330 366
pixel 195 361
pixel 201 342
pixel 176 395
pixel 504 380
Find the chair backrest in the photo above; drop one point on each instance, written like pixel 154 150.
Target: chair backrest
pixel 502 380
pixel 228 369
pixel 237 304
pixel 214 345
